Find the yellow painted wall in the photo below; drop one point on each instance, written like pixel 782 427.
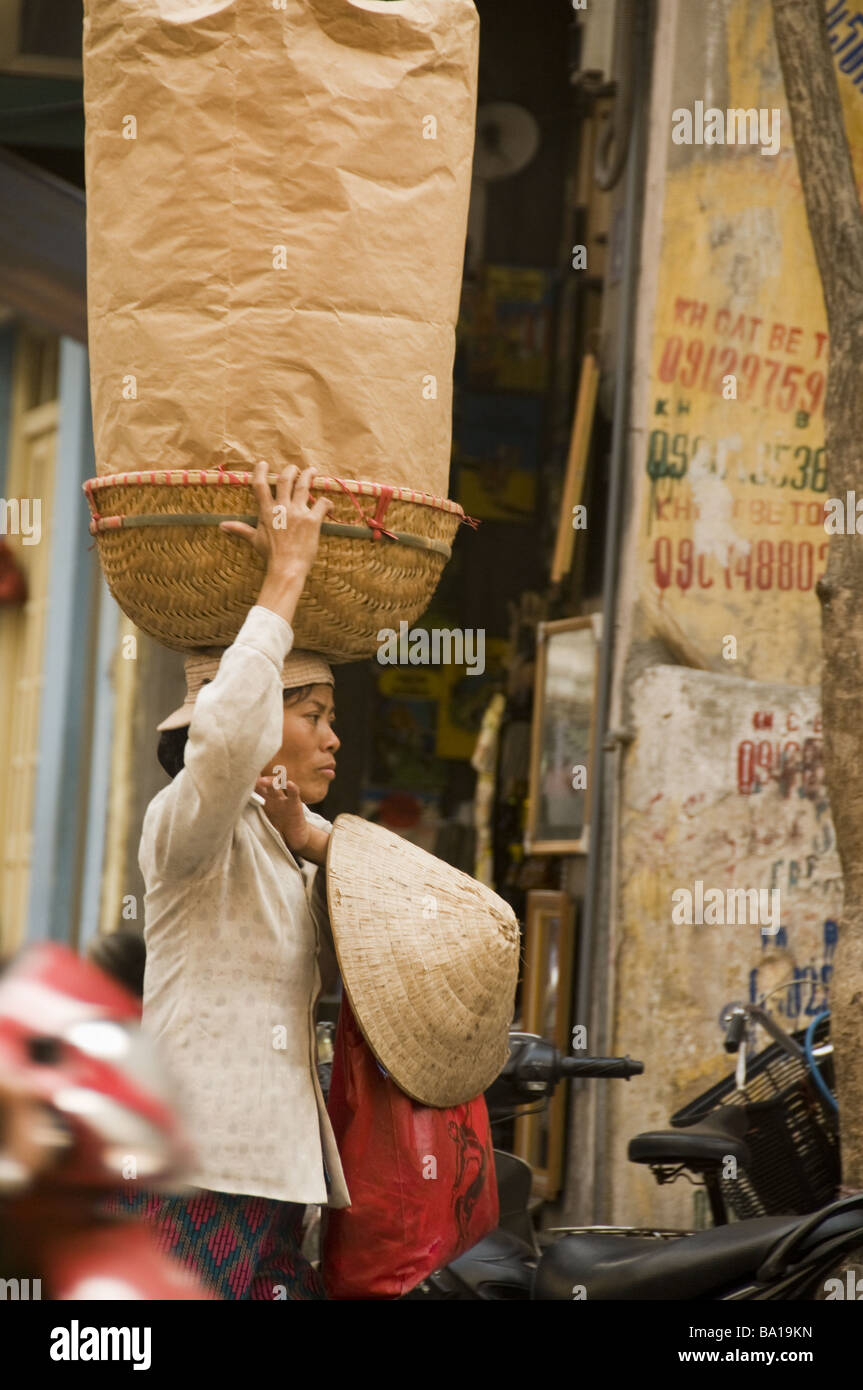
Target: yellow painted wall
pixel 731 536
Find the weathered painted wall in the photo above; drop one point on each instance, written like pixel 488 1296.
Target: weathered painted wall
pixel 731 472
pixel 724 538
pixel 724 785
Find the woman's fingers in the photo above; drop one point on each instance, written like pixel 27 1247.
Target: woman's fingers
pixel 267 784
pixel 291 486
pixel 262 489
pixel 248 533
pixel 302 487
pixel 285 484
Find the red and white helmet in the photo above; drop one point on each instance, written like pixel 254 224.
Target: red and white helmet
pixel 91 1094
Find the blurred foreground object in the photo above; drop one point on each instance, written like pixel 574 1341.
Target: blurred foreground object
pixel 84 1107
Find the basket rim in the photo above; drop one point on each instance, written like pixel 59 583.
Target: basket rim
pixel 717 1095
pixel 185 477
pixel 99 525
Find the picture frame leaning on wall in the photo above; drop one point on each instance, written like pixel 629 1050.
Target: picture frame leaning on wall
pixel 548 989
pixel 564 710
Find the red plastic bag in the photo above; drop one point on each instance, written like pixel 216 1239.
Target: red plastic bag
pixel 422 1181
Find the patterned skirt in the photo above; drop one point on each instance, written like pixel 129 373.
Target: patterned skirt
pixel 239 1247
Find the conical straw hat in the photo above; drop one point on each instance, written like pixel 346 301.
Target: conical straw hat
pixel 429 961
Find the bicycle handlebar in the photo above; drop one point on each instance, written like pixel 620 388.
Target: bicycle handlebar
pixel 736 1029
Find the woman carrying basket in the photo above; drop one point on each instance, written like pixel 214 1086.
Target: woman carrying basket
pixel 237 930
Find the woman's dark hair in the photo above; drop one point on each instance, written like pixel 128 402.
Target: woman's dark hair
pixel 172 742
pixel 171 749
pixel 122 954
pixel 299 693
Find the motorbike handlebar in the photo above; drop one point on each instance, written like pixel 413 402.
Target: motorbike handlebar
pixel 535 1068
pixel 600 1066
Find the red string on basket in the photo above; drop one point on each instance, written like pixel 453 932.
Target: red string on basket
pixel 374 522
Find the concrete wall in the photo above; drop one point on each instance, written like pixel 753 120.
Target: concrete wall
pixel 724 785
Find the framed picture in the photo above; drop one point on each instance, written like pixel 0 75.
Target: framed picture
pixel 547 992
pixel 562 736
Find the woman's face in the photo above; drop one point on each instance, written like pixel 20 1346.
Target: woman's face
pixel 309 743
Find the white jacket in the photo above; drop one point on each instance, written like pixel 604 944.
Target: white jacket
pixel 234 928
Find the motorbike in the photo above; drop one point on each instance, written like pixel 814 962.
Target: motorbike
pixel 779 1254
pixel 84 1107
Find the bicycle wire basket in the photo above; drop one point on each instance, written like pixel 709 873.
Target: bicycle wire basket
pixel 793 1134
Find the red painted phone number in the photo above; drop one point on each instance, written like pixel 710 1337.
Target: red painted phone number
pixel 686 363
pixel 768 565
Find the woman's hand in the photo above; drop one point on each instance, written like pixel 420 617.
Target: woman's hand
pixel 288 529
pixel 287 535
pixel 284 808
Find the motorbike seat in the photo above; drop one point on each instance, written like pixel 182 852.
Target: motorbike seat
pixel 500 1266
pixel 689 1266
pixel 705 1144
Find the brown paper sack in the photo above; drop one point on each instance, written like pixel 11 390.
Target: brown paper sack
pixel 277 197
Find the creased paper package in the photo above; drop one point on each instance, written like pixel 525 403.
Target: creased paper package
pixel 276 214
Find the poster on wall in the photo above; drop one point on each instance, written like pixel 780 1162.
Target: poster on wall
pixel 404 737
pixel 732 539
pixel 413 815
pixel 465 698
pixel 504 333
pixel 495 455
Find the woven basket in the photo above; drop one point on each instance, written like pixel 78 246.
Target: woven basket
pixel 188 584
